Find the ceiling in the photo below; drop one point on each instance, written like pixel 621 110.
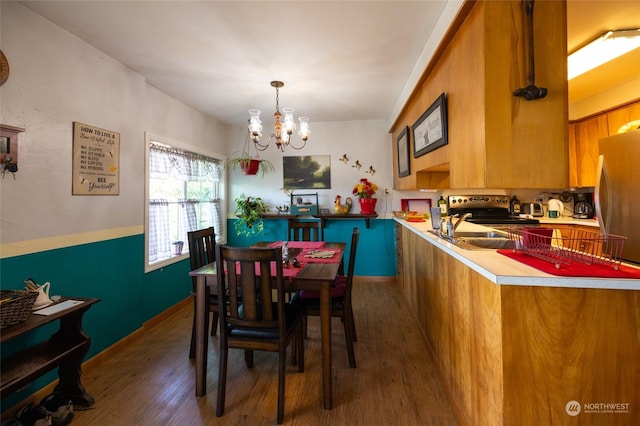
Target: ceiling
pixel 587 20
pixel 339 60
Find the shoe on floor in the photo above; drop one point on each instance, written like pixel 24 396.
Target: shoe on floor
pixel 33 415
pixel 59 408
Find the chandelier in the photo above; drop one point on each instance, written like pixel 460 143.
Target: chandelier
pixel 283 128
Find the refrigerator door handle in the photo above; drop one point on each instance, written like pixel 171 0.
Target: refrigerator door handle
pixel 601 175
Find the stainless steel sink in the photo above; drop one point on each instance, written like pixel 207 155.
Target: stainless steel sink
pixel 489 240
pixel 487 234
pixel 484 243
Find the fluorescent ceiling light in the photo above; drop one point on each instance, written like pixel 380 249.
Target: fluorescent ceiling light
pixel 603 49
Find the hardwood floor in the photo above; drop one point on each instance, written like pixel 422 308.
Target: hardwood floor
pixel 152 381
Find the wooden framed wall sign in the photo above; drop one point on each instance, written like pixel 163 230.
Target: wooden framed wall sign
pixel 430 131
pixel 96 161
pixel 403 153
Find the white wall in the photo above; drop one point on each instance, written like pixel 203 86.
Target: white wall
pixel 57 79
pixel 366 141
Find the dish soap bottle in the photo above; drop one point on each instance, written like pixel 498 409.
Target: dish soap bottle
pixel 514 206
pixel 442 203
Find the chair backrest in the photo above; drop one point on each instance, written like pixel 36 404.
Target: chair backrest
pixel 355 236
pixel 306 230
pixel 202 245
pixel 248 274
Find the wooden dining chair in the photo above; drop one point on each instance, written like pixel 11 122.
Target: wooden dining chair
pixel 341 305
pixel 254 319
pixel 306 230
pixel 202 252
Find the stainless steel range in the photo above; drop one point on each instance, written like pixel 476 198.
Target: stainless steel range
pixel 486 210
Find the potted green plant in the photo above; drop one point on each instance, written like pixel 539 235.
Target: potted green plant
pixel 249 211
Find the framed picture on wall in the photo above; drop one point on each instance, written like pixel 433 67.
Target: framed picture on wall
pixel 403 153
pixel 430 131
pixel 306 172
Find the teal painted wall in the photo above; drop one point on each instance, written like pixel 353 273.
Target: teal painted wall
pixel 112 271
pixel 376 247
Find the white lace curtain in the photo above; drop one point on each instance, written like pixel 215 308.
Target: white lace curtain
pixel 184 165
pixel 187 165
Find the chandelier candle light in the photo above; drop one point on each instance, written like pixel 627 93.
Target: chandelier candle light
pixel 283 128
pixel 365 191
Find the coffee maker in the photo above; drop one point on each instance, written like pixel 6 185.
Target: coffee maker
pixel 583 207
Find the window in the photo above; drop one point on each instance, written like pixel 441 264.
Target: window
pixel 184 193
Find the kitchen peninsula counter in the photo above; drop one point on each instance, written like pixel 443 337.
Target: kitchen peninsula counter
pixel 504 271
pixel 517 346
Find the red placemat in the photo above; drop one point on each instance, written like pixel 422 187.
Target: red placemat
pixel 573 269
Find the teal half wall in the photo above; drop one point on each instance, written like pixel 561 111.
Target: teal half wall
pixel 113 271
pixel 376 247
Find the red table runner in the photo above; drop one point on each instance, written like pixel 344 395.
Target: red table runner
pixel 573 269
pixel 307 247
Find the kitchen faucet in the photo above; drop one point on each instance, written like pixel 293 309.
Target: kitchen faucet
pixel 451 228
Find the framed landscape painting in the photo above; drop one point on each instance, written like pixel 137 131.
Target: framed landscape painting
pixel 307 172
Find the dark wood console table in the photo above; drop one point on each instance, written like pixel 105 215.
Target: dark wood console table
pixel 65 349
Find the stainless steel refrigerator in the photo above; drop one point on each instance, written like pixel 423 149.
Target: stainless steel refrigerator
pixel 617 193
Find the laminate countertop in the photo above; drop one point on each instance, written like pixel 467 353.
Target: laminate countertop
pixel 505 271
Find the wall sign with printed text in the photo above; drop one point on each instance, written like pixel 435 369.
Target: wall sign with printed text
pixel 96 161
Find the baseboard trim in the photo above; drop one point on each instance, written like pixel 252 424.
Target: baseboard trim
pixel 374 279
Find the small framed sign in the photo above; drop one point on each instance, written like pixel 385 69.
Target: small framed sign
pixel 430 131
pixel 403 153
pixel 96 160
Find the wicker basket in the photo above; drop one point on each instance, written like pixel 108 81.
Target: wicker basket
pixel 16 306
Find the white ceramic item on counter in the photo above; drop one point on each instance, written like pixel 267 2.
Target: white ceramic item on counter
pixel 556 205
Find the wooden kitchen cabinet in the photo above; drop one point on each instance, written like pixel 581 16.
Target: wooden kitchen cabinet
pixel 399 256
pixel 516 354
pixel 495 139
pixel 620 116
pixel 583 141
pixel 583 150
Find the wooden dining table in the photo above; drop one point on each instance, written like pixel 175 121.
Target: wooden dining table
pixel 311 276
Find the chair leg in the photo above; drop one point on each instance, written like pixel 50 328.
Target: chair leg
pixel 214 323
pixel 222 381
pixel 300 350
pixel 248 358
pixel 294 349
pixel 282 366
pixel 353 324
pixel 348 334
pixel 304 327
